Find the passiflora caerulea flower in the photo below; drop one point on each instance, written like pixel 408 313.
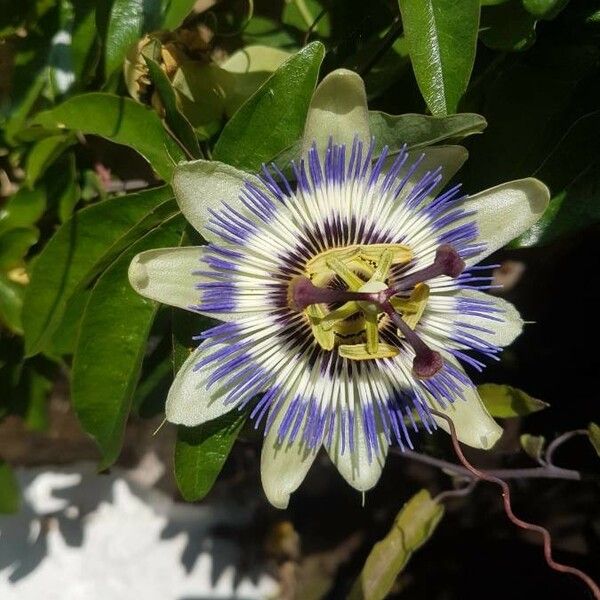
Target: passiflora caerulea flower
pixel 349 299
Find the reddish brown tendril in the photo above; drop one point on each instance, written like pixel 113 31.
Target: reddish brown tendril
pixel 556 566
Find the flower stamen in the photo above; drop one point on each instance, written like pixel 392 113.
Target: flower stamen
pixel 447 262
pixel 427 362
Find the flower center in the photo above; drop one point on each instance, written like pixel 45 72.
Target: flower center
pixel 346 297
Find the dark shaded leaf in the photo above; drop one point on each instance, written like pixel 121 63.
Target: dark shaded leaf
pixel 10 495
pixel 201 451
pixel 111 344
pixel 507 27
pixel 177 122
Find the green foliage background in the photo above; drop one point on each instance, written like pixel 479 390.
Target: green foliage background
pixel 99 100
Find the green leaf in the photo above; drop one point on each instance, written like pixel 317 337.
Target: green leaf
pixel 79 250
pixel 14 244
pixel 508 27
pixel 247 70
pixel 533 445
pixel 111 344
pixel 127 22
pixel 594 435
pixel 11 304
pixel 176 12
pixel 200 453
pixel 418 131
pixel 504 401
pixel 413 526
pixel 64 338
pixel 121 120
pixel 273 118
pixel 43 154
pixel 545 9
pixel 179 125
pixel 442 37
pixel 571 173
pixel 23 209
pixel 10 495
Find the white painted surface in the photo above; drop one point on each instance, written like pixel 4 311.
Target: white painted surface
pixel 81 536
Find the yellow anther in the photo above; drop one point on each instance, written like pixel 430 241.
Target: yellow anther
pixel 383 267
pixel 339 314
pixel 412 308
pixel 360 352
pixel 325 338
pixel 372 331
pixel 350 278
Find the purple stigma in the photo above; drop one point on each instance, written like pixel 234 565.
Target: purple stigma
pixel 447 262
pixel 427 362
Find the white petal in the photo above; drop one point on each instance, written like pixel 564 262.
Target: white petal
pixel 450 158
pixel 504 332
pixel 166 275
pixel 338 109
pixel 504 212
pixel 284 465
pixel 189 402
pixel 201 186
pixel 354 466
pixel 473 423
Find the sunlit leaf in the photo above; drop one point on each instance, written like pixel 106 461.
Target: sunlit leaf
pixel 504 401
pixel 442 36
pixel 111 344
pixel 413 526
pixel 79 250
pixel 273 118
pixel 128 21
pixel 121 120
